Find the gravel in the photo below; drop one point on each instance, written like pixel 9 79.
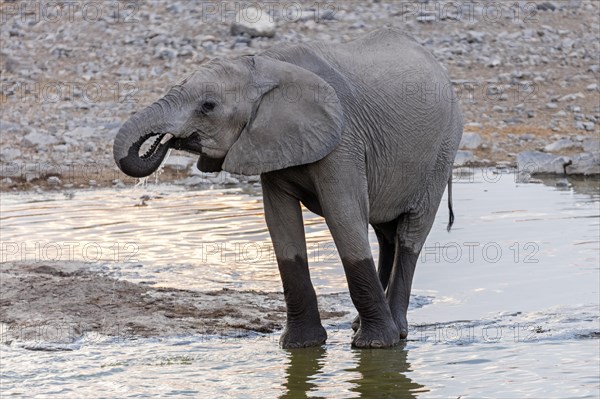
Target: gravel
pixel 67 85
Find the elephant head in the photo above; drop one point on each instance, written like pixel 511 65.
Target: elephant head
pixel 248 116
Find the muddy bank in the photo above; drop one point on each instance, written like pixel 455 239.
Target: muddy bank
pixel 45 303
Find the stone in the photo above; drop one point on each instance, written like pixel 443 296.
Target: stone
pixel 470 141
pixel 81 132
pixel 89 146
pixel 475 36
pixel 38 139
pixel 178 162
pixel 463 157
pixel 6 127
pixel 546 6
pixel 591 144
pixel 254 22
pixel 589 126
pixel 561 145
pixel 592 87
pixel 195 181
pixel 585 164
pixel 8 154
pixel 536 162
pixel 494 62
pixel 166 53
pixel 224 178
pixel 53 181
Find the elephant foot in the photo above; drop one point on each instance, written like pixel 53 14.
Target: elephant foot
pixel 302 337
pixel 356 323
pixel 376 336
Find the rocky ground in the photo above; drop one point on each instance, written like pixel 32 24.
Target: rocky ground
pixel 526 73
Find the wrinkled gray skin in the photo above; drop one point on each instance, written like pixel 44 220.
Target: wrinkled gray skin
pixel 360 133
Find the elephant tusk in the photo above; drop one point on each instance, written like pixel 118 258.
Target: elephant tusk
pixel 167 137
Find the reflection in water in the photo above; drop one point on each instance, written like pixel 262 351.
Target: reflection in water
pixel 304 366
pixel 384 374
pixel 381 373
pixel 585 185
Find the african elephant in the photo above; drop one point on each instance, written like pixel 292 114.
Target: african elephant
pixel 360 133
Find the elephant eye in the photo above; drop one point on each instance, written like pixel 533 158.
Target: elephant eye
pixel 207 106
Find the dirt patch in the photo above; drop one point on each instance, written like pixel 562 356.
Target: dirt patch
pixel 60 303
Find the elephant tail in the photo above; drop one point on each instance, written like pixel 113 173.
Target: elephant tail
pixel 451 217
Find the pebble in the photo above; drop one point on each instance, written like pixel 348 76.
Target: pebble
pixel 463 157
pixel 470 141
pixel 53 181
pixel 38 139
pixel 589 126
pixel 254 22
pixel 89 146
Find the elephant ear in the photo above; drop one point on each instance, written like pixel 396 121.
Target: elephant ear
pixel 297 119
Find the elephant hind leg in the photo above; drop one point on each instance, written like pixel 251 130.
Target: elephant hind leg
pixel 385 233
pixel 412 231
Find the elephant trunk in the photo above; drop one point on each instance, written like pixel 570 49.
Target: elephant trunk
pixel 148 124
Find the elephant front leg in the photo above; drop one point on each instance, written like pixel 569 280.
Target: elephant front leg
pixel 284 219
pixel 303 326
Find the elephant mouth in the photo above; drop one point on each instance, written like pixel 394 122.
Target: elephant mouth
pixel 190 144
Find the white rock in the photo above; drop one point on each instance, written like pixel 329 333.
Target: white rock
pixel 81 132
pixel 178 162
pixel 585 164
pixel 195 181
pixel 462 157
pixel 8 154
pixel 589 126
pixel 592 87
pixel 254 22
pixel 475 36
pixel 535 162
pixel 470 141
pixel 224 178
pixel 8 126
pixel 53 181
pixel 562 145
pixel 89 146
pixel 37 139
pixel 591 144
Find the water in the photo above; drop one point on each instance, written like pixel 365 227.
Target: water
pixel 513 310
